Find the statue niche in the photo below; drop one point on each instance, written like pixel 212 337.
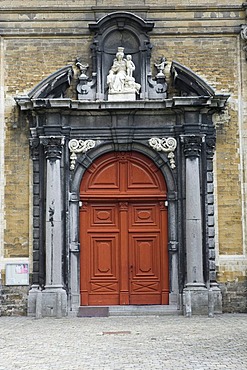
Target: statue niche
pixel 120 81
pixel 121 53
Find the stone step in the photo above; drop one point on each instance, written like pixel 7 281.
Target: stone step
pixel 128 310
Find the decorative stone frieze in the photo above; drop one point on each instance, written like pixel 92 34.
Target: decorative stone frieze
pixel 79 146
pixel 167 145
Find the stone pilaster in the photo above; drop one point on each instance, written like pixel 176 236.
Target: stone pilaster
pixel 195 291
pixel 214 287
pixel 32 295
pixel 74 254
pixel 54 297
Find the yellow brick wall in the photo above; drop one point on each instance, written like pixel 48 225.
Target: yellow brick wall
pixel 202 38
pixel 82 3
pixel 207 57
pixel 27 62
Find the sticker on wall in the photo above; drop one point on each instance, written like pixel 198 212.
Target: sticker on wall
pixel 17 274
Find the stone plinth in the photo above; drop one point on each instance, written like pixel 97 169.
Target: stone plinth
pixel 123 96
pixel 195 301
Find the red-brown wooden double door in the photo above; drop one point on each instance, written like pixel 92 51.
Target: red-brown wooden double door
pixel 123 232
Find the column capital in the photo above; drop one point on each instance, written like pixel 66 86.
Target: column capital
pixel 192 144
pixel 53 146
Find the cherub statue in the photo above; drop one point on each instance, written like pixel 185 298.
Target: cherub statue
pixel 130 66
pixel 161 66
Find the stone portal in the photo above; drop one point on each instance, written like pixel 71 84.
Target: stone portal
pixel 122 109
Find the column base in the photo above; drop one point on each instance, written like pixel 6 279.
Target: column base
pixel 198 300
pixel 74 304
pixel 195 300
pixel 31 300
pixel 217 297
pixel 50 302
pixel 175 300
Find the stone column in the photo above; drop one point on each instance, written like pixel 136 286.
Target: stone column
pixel 54 299
pixel 195 290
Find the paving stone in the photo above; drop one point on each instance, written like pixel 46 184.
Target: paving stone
pixel 124 343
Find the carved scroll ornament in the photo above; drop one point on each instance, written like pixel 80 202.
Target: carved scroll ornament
pixel 79 146
pixel 244 37
pixel 167 145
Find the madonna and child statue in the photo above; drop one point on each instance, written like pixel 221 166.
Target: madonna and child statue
pixel 120 80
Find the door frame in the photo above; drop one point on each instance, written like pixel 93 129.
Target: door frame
pixel 160 160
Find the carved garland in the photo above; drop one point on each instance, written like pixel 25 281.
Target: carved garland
pixel 79 146
pixel 167 145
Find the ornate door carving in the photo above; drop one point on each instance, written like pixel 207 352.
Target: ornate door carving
pixel 123 231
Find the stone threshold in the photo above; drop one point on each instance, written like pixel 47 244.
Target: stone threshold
pixel 128 310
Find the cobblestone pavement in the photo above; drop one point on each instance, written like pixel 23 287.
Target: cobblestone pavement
pixel 114 343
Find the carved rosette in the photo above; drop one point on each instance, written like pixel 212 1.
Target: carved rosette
pixel 53 146
pixel 167 145
pixel 79 146
pixel 192 145
pixel 244 37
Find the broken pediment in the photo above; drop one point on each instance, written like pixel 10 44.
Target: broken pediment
pixel 122 35
pixel 54 86
pixel 191 88
pixel 189 83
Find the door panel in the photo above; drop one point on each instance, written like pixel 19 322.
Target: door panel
pixel 103 276
pixel 123 232
pixel 100 255
pixel 108 178
pixel 103 215
pixel 145 279
pixel 139 178
pixel 143 215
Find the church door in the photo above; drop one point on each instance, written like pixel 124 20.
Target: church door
pixel 123 232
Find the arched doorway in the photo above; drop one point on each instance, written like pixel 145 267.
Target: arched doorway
pixel 123 232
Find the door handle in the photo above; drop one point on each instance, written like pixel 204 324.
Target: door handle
pixel 131 268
